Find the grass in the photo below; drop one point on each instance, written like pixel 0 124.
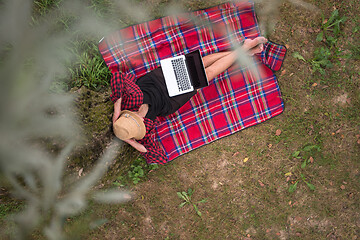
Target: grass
pixel 89 69
pixel 300 184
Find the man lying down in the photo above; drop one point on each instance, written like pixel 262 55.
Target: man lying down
pixel 141 100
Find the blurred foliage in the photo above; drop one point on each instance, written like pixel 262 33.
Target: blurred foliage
pixel 34 54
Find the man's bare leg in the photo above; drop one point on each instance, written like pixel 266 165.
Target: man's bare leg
pixel 211 58
pixel 253 46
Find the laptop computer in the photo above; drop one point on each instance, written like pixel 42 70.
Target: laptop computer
pixel 184 73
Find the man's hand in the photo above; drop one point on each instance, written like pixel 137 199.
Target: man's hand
pixel 136 145
pixel 117 110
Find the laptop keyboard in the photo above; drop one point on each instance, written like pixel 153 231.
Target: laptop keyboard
pixel 181 76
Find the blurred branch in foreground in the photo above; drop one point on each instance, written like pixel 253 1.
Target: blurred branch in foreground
pixel 33 54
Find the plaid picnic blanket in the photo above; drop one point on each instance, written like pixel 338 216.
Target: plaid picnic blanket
pixel 237 99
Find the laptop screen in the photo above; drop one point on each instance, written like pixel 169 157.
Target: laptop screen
pixel 196 69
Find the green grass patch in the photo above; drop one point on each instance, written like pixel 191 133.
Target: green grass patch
pixel 89 68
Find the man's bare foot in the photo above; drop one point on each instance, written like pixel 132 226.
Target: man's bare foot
pixel 254 46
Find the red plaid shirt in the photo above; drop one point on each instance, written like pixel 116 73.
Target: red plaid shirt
pixel 124 86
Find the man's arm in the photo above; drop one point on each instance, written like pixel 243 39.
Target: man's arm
pixel 117 110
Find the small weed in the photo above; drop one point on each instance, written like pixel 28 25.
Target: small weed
pixel 320 61
pixel 186 196
pixel 136 173
pixel 305 155
pixel 330 33
pixel 138 170
pixel 331 29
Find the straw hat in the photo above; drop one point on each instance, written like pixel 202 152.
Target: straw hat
pixel 129 125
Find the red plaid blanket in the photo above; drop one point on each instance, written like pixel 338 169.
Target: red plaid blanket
pixel 233 101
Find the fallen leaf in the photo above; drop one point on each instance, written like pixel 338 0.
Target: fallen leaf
pixel 235 154
pixel 342 187
pixel 311 159
pixel 291 74
pixel 246 159
pixel 288 174
pixel 283 72
pixel 278 132
pixel 287 46
pixel 344 182
pixel 261 184
pixel 339 130
pixel 324 86
pixel 80 171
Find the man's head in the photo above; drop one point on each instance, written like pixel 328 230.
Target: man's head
pixel 129 125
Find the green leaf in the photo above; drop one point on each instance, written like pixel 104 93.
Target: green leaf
pixel 298 56
pixel 311 147
pixel 334 14
pixel 182 204
pixel 202 201
pixel 296 154
pixel 190 192
pixel 312 187
pixel 180 195
pixel 185 196
pixel 320 37
pixel 303 165
pixel 197 210
pixel 292 188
